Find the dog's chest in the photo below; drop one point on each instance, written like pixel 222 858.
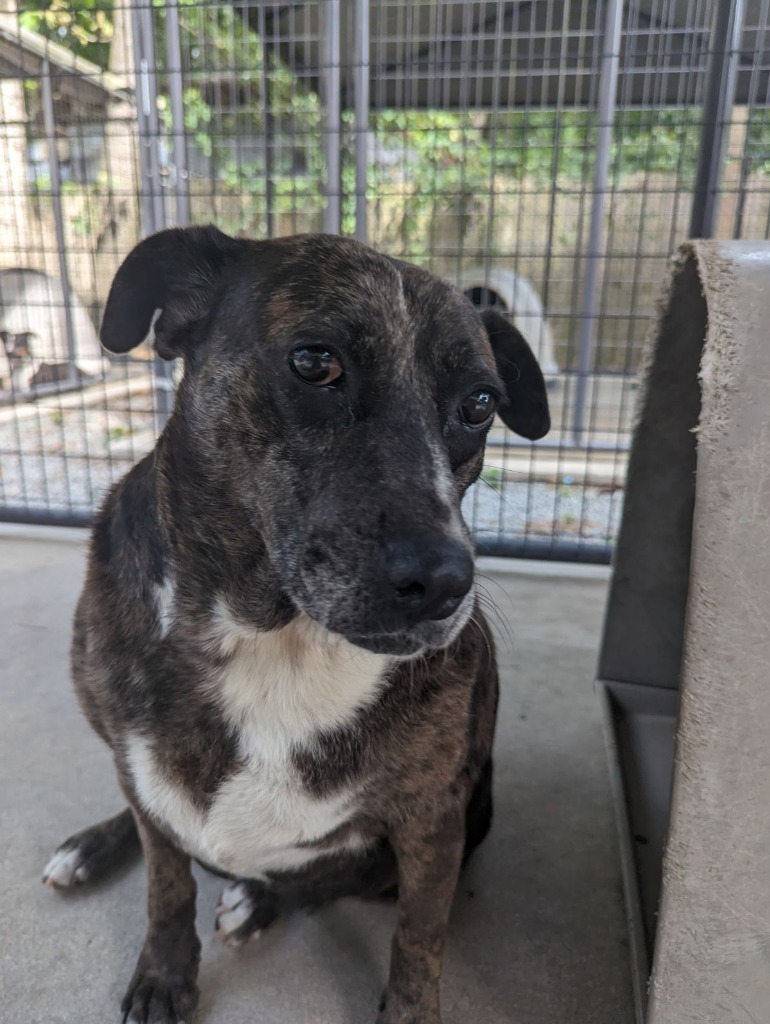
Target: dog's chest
pixel 277 691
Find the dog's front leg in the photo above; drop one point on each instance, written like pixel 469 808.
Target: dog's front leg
pixel 163 989
pixel 429 857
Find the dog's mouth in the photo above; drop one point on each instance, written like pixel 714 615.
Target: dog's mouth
pixel 418 640
pixel 395 645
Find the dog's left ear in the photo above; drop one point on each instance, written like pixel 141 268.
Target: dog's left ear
pixel 526 411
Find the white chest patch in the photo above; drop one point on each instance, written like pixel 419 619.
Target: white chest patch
pixel 277 691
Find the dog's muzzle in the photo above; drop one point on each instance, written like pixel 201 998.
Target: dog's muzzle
pixel 407 594
pixel 424 597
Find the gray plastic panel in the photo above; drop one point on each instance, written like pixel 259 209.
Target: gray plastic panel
pixel 640 725
pixel 644 626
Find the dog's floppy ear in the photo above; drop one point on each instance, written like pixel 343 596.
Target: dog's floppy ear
pixel 526 411
pixel 166 283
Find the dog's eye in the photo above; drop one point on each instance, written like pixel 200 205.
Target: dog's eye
pixel 477 409
pixel 315 365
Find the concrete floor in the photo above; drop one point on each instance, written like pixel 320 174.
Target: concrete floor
pixel 537 934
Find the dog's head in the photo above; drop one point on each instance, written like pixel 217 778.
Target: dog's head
pixel 341 399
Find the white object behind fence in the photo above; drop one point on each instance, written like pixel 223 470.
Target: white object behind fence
pixel 33 327
pixel 515 295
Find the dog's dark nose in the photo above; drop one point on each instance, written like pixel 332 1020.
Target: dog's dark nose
pixel 430 578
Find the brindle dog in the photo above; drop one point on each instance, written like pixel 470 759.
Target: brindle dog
pixel 278 636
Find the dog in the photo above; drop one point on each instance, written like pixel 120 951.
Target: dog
pixel 278 637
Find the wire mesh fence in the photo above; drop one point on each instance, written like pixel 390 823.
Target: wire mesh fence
pixel 545 155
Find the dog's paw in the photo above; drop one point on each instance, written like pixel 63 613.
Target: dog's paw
pixel 160 997
pixel 91 854
pixel 245 908
pixel 66 868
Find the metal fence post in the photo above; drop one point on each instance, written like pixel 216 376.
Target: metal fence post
pixel 153 206
pixel 330 83
pixel 267 126
pixel 176 96
pixel 608 86
pixel 58 214
pixel 362 115
pixel 153 212
pixel 717 108
pixel 142 94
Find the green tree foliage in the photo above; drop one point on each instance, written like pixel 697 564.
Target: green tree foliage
pixel 84 26
pixel 433 159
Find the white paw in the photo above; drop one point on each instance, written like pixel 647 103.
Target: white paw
pixel 65 869
pixel 234 909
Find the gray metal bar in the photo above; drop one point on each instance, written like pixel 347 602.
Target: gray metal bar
pixel 608 87
pixel 556 550
pixel 176 97
pixel 146 142
pixel 746 158
pixel 267 127
pixel 57 387
pixel 740 206
pixel 717 107
pixel 61 242
pixel 362 115
pixel 153 206
pixel 331 82
pixel 147 118
pixel 44 516
pixel 559 444
pixel 150 81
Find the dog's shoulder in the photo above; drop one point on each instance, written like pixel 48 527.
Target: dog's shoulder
pixel 126 545
pixel 120 613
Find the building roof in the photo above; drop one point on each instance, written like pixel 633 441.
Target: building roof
pixel 25 53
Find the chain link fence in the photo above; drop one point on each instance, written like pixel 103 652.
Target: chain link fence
pixel 547 156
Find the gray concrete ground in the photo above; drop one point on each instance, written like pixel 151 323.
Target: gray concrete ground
pixel 537 933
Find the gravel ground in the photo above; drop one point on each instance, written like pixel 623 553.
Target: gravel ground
pixel 63 459
pixel 512 508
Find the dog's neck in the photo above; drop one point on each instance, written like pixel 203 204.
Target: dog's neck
pixel 286 686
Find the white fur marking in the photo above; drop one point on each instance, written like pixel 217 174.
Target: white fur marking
pixel 257 822
pixel 64 869
pixel 232 895
pixel 150 339
pixel 166 801
pixel 402 296
pixel 284 687
pixel 164 595
pixel 231 920
pixel 278 690
pixel 446 489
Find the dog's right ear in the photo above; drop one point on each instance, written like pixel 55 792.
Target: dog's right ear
pixel 166 284
pixel 526 409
